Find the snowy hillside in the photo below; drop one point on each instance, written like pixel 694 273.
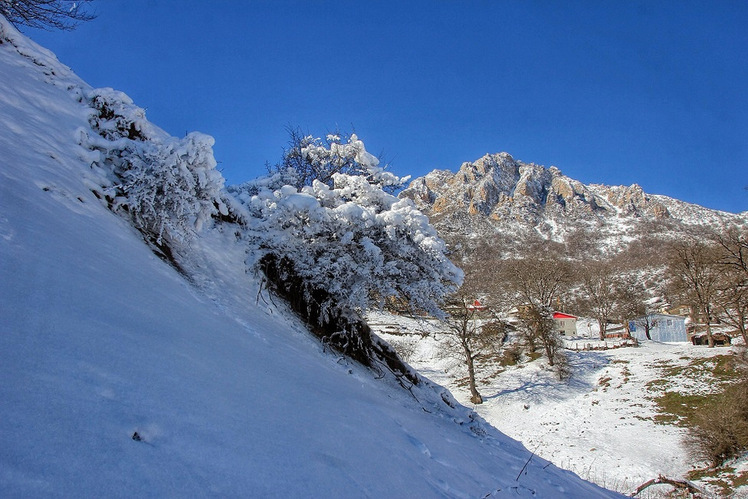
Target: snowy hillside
pixel 603 423
pixel 122 378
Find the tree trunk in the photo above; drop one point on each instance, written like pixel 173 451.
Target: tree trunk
pixel 708 318
pixel 549 353
pixel 603 328
pixel 709 336
pixel 475 397
pixel 627 328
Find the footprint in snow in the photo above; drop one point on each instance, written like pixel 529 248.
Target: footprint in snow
pixel 419 445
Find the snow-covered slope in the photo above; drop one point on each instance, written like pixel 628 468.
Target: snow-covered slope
pixel 228 395
pixel 602 423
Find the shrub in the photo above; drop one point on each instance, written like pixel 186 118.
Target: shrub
pixel 335 252
pixel 720 425
pixel 405 349
pixel 720 430
pixel 511 355
pixel 168 187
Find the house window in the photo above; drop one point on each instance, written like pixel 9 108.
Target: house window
pixel 670 322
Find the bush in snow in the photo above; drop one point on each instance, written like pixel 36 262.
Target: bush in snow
pixel 172 188
pixel 320 159
pixel 169 187
pixel 116 116
pixel 336 251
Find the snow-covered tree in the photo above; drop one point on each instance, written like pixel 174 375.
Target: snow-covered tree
pixel 168 187
pixel 313 158
pixel 336 251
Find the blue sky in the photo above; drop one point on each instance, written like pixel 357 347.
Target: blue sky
pixel 652 93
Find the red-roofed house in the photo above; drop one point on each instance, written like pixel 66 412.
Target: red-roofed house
pixel 477 306
pixel 565 324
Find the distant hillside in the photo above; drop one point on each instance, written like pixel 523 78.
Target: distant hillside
pixel 497 195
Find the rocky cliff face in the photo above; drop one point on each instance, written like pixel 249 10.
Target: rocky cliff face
pixel 516 196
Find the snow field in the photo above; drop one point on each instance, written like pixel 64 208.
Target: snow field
pixel 600 424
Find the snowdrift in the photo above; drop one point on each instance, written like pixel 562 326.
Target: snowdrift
pixel 122 378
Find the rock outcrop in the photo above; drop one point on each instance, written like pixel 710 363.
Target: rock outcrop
pixel 515 196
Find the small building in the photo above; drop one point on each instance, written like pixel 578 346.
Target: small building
pixel 565 324
pixel 720 339
pixel 617 332
pixel 477 306
pixel 684 310
pixel 661 327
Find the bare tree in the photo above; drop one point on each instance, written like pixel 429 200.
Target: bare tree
pixel 630 304
pixel 599 284
pixel 732 292
pixel 539 281
pixel 536 323
pixel 733 244
pixel 695 276
pixel 537 285
pixel 645 322
pixel 732 304
pixel 469 338
pixel 46 14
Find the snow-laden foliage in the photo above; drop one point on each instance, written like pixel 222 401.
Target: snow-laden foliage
pixel 168 186
pixel 313 158
pixel 358 243
pixel 333 251
pixel 116 116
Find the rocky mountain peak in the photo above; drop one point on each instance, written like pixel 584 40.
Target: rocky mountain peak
pixel 506 193
pixel 497 186
pixel 632 200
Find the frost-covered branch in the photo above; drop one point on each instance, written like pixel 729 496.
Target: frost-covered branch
pixel 316 159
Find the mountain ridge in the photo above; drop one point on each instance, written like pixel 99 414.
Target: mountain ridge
pixel 512 194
